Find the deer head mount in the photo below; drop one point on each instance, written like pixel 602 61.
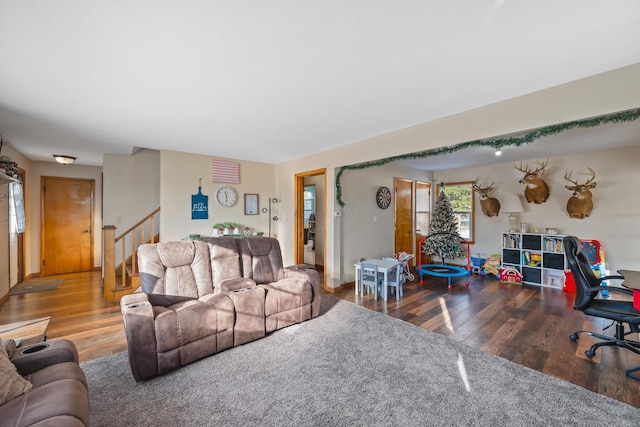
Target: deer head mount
pixel 537 190
pixel 580 204
pixel 490 206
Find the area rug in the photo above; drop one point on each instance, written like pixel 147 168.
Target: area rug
pixel 348 367
pixel 36 285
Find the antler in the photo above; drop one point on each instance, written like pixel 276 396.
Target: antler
pixel 481 189
pixel 567 176
pixel 542 165
pixel 592 173
pixel 522 170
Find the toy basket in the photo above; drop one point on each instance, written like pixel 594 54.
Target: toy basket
pixel 477 264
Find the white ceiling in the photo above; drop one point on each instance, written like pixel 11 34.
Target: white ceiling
pixel 275 80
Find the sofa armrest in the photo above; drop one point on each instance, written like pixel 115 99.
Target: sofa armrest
pixel 35 357
pixel 312 276
pixel 139 328
pixel 235 284
pixel 134 298
pixel 9 346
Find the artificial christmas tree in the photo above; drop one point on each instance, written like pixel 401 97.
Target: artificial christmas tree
pixel 443 240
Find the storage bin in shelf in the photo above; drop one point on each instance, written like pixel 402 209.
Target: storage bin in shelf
pixel 553 278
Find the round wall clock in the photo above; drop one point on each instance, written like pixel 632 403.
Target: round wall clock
pixel 227 196
pixel 383 197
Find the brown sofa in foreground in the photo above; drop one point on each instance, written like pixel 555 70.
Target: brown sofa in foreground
pixel 202 297
pixel 52 387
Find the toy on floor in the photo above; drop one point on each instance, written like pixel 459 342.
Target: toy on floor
pixel 492 265
pixel 444 270
pixel 404 258
pixel 476 264
pixel 510 275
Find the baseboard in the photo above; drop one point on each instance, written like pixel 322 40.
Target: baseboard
pixel 32 276
pixel 340 288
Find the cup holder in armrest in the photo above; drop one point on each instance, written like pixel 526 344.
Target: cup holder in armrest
pixel 35 348
pixel 137 304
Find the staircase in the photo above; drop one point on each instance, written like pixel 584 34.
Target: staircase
pixel 120 274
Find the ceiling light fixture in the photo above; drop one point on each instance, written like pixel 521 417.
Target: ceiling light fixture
pixel 64 159
pixel 498 151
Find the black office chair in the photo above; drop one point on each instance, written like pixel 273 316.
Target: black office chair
pixel 588 286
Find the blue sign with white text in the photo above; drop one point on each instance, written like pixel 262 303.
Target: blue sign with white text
pixel 199 205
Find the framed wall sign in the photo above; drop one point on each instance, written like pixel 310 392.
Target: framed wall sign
pixel 251 204
pixel 199 205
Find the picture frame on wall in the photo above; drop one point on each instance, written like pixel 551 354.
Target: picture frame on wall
pixel 251 204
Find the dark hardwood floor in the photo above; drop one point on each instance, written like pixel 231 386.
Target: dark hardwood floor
pixel 528 325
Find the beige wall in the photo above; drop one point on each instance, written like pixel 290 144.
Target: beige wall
pixel 179 177
pixel 367 230
pixel 609 92
pixel 131 189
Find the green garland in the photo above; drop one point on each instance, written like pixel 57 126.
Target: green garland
pixel 529 137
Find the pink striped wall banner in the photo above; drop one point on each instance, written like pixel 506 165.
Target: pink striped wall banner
pixel 225 171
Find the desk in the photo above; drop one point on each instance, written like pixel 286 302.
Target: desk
pixel 384 267
pixel 632 281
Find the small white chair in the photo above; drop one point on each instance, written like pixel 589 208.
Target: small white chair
pixel 369 279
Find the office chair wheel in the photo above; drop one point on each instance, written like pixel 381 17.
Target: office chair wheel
pixel 590 353
pixel 574 337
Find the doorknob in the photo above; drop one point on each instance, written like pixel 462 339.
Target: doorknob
pixel 85 231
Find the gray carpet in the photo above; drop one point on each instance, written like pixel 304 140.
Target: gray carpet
pixel 348 367
pixel 36 285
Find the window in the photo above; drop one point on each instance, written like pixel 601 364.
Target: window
pixel 461 196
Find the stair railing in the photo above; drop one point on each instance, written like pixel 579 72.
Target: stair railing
pixel 119 250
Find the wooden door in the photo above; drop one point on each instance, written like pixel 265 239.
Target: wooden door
pixel 404 215
pixel 67 225
pixel 423 215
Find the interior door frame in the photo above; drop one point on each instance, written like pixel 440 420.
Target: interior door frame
pixel 43 181
pixel 298 254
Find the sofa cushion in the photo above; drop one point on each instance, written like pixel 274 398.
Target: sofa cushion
pixel 225 259
pixel 261 259
pixel 171 272
pixel 12 385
